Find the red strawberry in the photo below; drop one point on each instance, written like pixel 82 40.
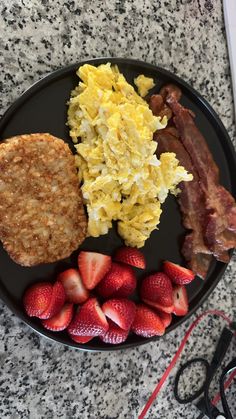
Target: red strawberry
pixel 147 323
pixel 74 287
pixel 93 267
pixel 166 318
pixel 129 283
pixel 120 311
pixel 89 320
pixel 37 298
pixel 178 274
pixel 81 339
pixel 180 301
pixel 131 256
pixel 115 334
pixel 120 281
pixel 112 281
pixel 56 303
pixel 61 320
pixel 165 309
pixel 157 288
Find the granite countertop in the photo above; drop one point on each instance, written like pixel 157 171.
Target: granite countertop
pixel 43 380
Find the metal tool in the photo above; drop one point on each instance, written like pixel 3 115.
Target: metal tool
pixel 204 404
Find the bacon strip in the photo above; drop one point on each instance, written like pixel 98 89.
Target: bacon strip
pixel 220 223
pixel 191 202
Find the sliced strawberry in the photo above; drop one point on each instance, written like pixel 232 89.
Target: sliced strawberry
pixel 165 309
pixel 56 303
pixel 89 320
pixel 75 290
pixel 37 298
pixel 61 320
pixel 115 334
pixel 120 281
pixel 93 267
pixel 81 339
pixel 180 301
pixel 147 323
pixel 166 318
pixel 178 274
pixel 129 283
pixel 131 256
pixel 120 311
pixel 157 288
pixel 112 281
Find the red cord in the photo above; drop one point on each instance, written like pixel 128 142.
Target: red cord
pixel 177 355
pixel 226 385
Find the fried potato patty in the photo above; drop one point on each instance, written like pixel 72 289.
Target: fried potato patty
pixel 42 217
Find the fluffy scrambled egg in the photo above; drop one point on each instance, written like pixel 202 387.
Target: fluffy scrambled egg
pixel 121 177
pixel 144 84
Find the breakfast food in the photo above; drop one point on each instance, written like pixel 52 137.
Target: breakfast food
pixel 144 84
pixel 131 256
pixel 42 218
pixel 122 179
pixel 208 209
pixel 110 313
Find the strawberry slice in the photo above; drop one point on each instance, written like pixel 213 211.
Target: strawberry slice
pixel 75 290
pixel 112 281
pixel 89 320
pixel 180 301
pixel 120 281
pixel 61 320
pixel 120 311
pixel 93 267
pixel 115 334
pixel 37 298
pixel 57 301
pixel 165 309
pixel 147 323
pixel 81 339
pixel 157 288
pixel 166 318
pixel 131 256
pixel 178 274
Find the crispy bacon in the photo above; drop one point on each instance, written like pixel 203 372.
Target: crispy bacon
pixel 191 202
pixel 220 223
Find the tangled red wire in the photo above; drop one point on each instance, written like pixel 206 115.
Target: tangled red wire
pixel 176 357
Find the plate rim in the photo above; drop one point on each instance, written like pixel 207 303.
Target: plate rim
pixel 227 146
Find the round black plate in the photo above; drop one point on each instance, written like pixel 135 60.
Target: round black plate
pixel 42 108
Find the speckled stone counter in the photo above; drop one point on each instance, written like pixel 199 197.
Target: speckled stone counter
pixel 42 380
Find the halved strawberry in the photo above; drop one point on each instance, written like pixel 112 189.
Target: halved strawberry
pixel 115 334
pixel 130 256
pixel 157 288
pixel 81 339
pixel 89 320
pixel 61 320
pixel 166 318
pixel 93 267
pixel 180 301
pixel 57 301
pixel 74 287
pixel 112 281
pixel 165 309
pixel 120 281
pixel 120 311
pixel 178 274
pixel 37 298
pixel 147 323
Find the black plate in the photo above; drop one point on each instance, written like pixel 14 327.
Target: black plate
pixel 42 108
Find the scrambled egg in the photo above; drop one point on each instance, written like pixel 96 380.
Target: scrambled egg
pixel 144 84
pixel 121 177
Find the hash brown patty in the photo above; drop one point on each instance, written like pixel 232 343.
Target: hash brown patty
pixel 42 218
